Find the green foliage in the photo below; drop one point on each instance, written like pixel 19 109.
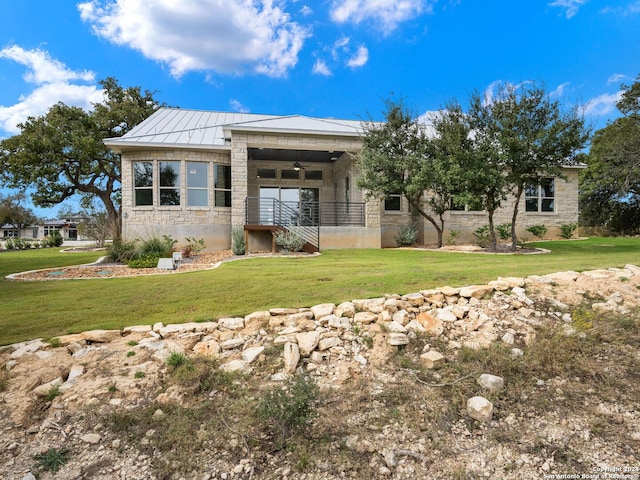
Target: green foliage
pixel 177 359
pixel 62 153
pixel 112 388
pixel 289 241
pixel 139 375
pixel 55 238
pixel 289 409
pixel 237 241
pixel 53 392
pixel 481 234
pixel 54 342
pixel 567 230
pixel 504 231
pixel 452 237
pixel 161 247
pixel 194 246
pixel 132 343
pixel 407 235
pixel 131 353
pixel 51 460
pixel 146 261
pixel 4 379
pixel 121 250
pixel 537 231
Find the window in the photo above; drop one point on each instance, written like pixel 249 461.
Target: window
pixel 222 186
pixel 143 183
pixel 169 183
pixel 290 174
pixel 474 205
pixel 266 173
pixel 540 196
pixel 313 175
pixel 392 203
pixel 35 233
pixel 11 234
pixel 197 184
pixel 48 229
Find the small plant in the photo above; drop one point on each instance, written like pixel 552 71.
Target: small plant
pixel 368 341
pixel 567 229
pixel 131 354
pixel 407 235
pixel 237 241
pixel 55 238
pixel 132 343
pixel 54 342
pixel 9 244
pixel 121 251
pixel 4 380
pixel 194 246
pixel 452 237
pixel 289 241
pixel 51 460
pixel 161 247
pixel 146 261
pixel 504 231
pixel 537 231
pixel 112 388
pixel 176 359
pixel 53 392
pixel 289 409
pixel 139 375
pixel 482 236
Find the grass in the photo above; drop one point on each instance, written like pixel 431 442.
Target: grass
pixel 49 309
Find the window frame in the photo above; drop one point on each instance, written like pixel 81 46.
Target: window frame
pixel 173 189
pixel 197 189
pixel 142 188
pixel 221 191
pixel 541 195
pixel 388 199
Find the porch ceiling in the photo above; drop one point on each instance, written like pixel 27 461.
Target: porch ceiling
pixel 285 155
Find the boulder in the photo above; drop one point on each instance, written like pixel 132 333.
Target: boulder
pixel 397 339
pixel 492 383
pixel 307 342
pixel 231 323
pixel 475 291
pixel 101 336
pixel 431 324
pixel 250 354
pixel 322 310
pixel 291 357
pixel 365 317
pixel 432 359
pixel 345 309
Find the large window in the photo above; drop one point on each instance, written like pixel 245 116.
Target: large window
pixel 222 186
pixel 197 184
pixel 169 183
pixel 392 203
pixel 143 183
pixel 540 195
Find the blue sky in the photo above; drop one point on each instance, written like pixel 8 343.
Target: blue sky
pixel 330 58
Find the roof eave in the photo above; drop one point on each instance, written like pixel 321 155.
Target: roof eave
pixel 122 147
pixel 227 129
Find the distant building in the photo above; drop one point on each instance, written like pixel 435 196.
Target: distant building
pixel 68 228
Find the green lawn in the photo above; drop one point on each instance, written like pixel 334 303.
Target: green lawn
pixel 46 309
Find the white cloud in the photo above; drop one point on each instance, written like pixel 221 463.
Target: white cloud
pixel 230 36
pixel 360 58
pixel 570 7
pixel 321 68
pixel 53 83
pixel 387 14
pixel 630 9
pixel 602 104
pixel 616 78
pixel 236 106
pixel 306 10
pixel 559 91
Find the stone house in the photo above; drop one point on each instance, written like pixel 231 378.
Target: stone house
pixel 193 173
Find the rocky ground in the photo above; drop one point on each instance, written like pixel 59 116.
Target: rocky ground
pixel 522 378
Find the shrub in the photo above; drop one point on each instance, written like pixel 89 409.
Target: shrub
pixel 537 231
pixel 289 409
pixel 121 251
pixel 504 231
pixel 566 230
pixel 237 241
pixel 51 460
pixel 9 244
pixel 55 238
pixel 140 375
pixel 482 236
pixel 194 246
pixel 289 241
pixel 407 235
pixel 147 261
pixel 161 247
pixel 452 237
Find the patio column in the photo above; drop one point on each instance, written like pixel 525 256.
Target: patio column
pixel 239 188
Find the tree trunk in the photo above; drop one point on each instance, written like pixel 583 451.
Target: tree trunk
pixel 492 232
pixel 514 237
pixel 432 220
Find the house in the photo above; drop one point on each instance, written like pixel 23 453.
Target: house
pixel 68 228
pixel 194 173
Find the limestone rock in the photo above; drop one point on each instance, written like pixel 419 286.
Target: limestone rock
pixel 397 339
pixel 374 305
pixel 259 318
pixel 432 359
pixel 432 325
pixel 322 310
pixel 291 357
pixel 345 309
pixel 235 366
pixel 250 354
pixel 101 336
pixel 231 323
pixel 492 383
pixel 479 408
pixel 91 438
pixel 416 299
pixel 208 348
pixel 402 317
pixel 307 342
pixel 232 343
pixel 365 317
pixel 44 389
pixel 475 291
pixel 395 327
pixel 329 342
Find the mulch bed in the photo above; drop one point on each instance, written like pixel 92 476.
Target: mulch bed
pixel 203 261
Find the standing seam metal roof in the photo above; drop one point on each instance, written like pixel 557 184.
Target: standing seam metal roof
pixel 201 128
